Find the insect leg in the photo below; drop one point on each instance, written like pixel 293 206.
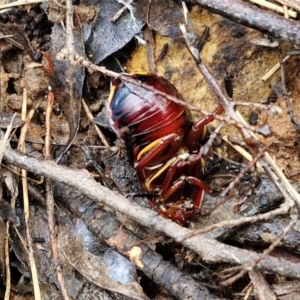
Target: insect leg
pixel 197 132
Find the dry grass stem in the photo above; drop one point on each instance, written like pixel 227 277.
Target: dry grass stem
pixel 274 69
pixel 240 150
pixel 290 3
pixel 21 147
pixel 274 7
pixel 19 3
pixel 7 265
pixel 4 143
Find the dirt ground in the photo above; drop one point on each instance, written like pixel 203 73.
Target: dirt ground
pixel 76 220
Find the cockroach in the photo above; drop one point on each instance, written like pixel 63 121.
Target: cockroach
pixel 163 144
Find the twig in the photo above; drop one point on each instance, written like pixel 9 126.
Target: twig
pixel 91 117
pixel 266 252
pixel 261 286
pixel 274 69
pixel 254 17
pixel 238 222
pixel 69 27
pixel 21 146
pixel 50 199
pixel 4 143
pixel 222 196
pixel 120 12
pixel 267 162
pixel 78 60
pixel 50 103
pixel 273 109
pixel 205 149
pixel 240 150
pixel 238 178
pixel 208 249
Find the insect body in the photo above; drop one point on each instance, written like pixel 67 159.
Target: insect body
pixel 163 144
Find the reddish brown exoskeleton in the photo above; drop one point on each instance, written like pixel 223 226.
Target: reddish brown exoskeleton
pixel 163 144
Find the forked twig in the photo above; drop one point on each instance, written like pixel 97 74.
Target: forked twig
pixel 266 162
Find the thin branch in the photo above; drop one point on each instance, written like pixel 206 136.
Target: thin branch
pixel 91 117
pixel 261 286
pixel 266 162
pixel 254 17
pixel 208 249
pixel 79 60
pixel 266 252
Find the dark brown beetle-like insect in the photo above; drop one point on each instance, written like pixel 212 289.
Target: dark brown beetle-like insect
pixel 163 144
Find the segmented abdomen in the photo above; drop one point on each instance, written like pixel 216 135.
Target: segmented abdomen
pixel 144 115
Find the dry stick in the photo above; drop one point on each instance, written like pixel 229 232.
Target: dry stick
pixel 208 249
pixel 291 194
pixel 274 109
pixel 91 117
pixel 286 12
pixel 21 146
pixel 267 163
pixel 120 12
pixel 239 149
pixel 266 252
pixel 248 292
pixel 254 17
pixel 238 222
pixel 4 143
pixel 261 286
pixel 205 149
pixel 50 199
pixel 243 173
pixel 79 60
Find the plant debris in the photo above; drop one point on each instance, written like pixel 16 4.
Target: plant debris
pixel 75 217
